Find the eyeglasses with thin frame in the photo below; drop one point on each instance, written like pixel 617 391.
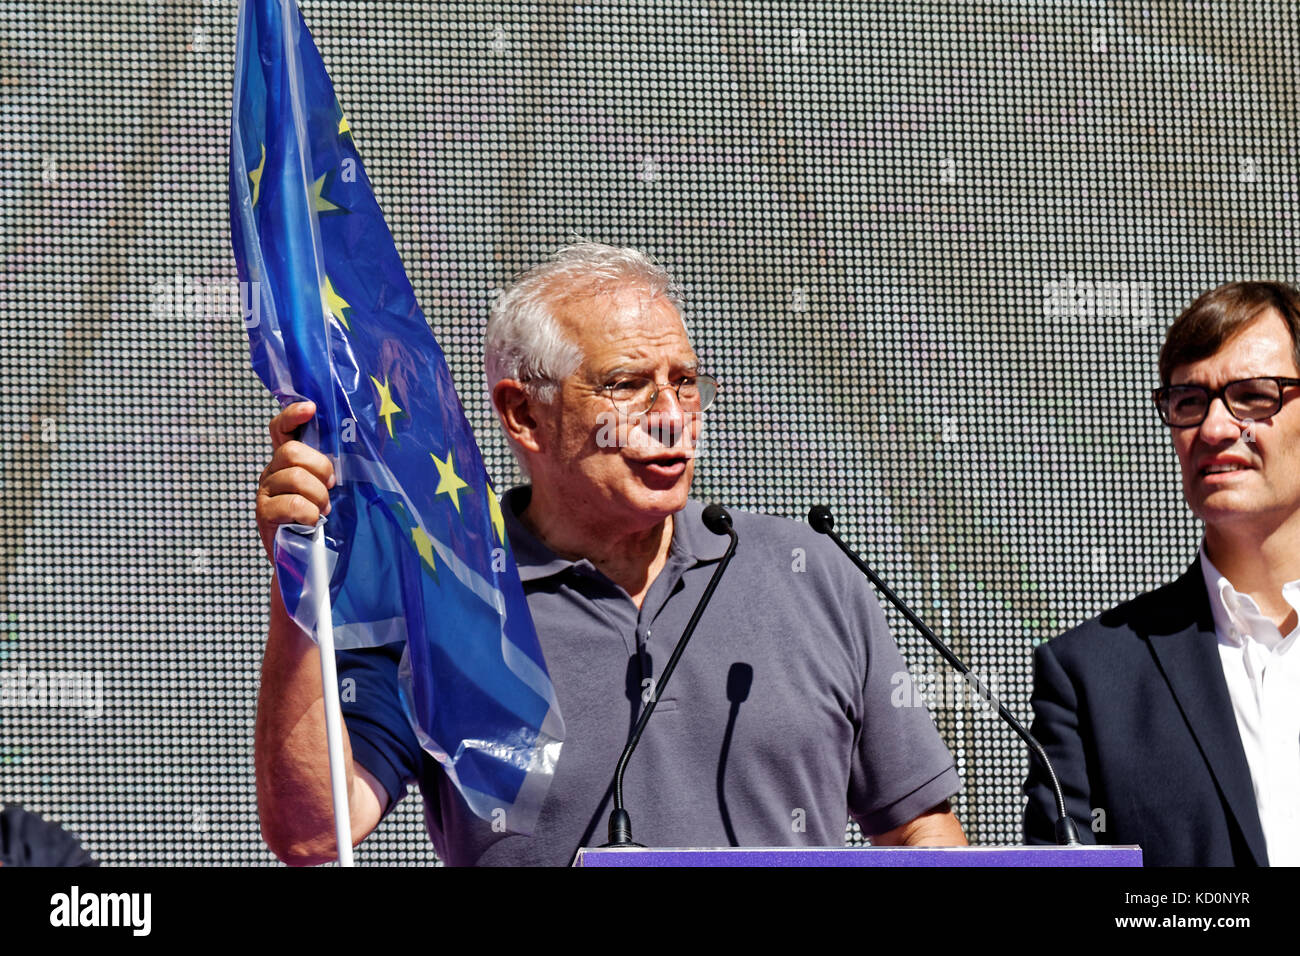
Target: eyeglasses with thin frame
pixel 1247 399
pixel 635 395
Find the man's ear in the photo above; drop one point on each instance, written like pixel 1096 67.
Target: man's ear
pixel 517 411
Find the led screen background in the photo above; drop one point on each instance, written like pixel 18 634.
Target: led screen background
pixel 929 249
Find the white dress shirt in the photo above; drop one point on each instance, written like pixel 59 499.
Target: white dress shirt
pixel 1263 672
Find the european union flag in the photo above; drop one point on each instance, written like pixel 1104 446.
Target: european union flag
pixel 415 535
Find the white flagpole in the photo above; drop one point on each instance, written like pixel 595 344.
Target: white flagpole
pixel 317 573
pixel 320 588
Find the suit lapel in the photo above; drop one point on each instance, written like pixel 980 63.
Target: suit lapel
pixel 1190 660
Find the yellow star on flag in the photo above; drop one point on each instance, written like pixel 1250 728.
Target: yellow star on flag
pixel 335 304
pixel 448 481
pixel 322 204
pixel 423 544
pixel 256 175
pixel 345 128
pixel 494 512
pixel 387 407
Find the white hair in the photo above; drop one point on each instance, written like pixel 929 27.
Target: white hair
pixel 523 341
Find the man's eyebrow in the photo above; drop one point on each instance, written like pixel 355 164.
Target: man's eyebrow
pixel 692 366
pixel 618 371
pixel 1205 383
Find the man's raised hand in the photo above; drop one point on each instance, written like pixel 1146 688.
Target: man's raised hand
pixel 294 487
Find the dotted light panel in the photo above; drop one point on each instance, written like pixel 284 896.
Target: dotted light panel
pixel 930 250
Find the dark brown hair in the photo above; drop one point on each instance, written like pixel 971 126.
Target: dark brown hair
pixel 1221 313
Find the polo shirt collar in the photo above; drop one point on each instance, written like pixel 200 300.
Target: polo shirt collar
pixel 693 539
pixel 533 558
pixel 692 542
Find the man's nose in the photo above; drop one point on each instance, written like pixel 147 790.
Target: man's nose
pixel 666 419
pixel 1219 425
pixel 668 399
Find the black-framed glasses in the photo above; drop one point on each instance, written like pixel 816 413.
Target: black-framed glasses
pixel 636 395
pixel 1247 399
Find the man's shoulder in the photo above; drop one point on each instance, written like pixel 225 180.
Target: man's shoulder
pixel 796 562
pixel 771 526
pixel 757 530
pixel 1168 609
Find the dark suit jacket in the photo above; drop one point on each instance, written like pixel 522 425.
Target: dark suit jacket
pixel 1133 709
pixel 26 839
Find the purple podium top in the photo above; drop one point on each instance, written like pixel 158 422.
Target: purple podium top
pixel 866 856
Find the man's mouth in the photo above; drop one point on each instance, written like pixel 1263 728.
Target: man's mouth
pixel 1223 468
pixel 666 466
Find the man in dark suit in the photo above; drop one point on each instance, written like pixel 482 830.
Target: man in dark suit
pixel 1173 721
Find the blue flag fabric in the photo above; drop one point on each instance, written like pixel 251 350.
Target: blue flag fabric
pixel 415 536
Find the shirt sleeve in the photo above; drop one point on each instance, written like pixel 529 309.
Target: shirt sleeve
pixel 901 766
pixel 383 741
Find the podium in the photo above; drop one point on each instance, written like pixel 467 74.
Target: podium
pixel 878 856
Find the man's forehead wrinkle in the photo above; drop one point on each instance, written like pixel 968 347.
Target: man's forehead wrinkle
pixel 1250 359
pixel 601 319
pixel 637 346
pixel 634 366
pixel 613 334
pixel 608 304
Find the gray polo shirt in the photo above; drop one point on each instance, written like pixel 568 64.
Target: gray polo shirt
pixel 777 725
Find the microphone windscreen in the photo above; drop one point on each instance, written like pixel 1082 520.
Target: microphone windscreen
pixel 716 519
pixel 819 516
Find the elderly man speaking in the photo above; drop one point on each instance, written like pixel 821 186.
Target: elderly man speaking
pixel 779 724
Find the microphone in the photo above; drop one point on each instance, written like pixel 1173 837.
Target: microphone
pixel 819 517
pixel 717 520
